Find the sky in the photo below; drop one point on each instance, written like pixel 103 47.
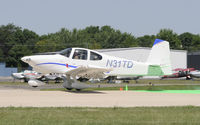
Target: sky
pixel 138 17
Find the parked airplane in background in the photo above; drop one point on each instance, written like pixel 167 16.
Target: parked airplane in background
pixel 188 73
pixel 79 64
pixel 27 75
pixel 195 74
pixel 179 73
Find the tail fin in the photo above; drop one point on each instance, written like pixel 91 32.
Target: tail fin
pixel 159 59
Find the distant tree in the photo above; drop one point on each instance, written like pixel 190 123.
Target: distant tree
pixel 15 54
pixel 146 40
pixel 127 40
pixel 1 55
pixel 13 43
pixel 169 35
pixel 92 29
pixel 16 42
pixel 106 28
pixel 45 46
pixel 195 43
pixel 30 38
pixel 186 40
pixel 7 38
pixel 94 45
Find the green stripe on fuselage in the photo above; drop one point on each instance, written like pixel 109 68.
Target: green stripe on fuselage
pixel 154 70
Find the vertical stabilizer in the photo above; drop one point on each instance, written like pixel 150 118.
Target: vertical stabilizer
pixel 160 57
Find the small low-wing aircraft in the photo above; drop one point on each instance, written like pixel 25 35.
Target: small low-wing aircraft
pixel 195 74
pixel 28 75
pixel 80 65
pixel 188 73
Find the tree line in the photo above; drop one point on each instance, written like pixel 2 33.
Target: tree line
pixel 16 42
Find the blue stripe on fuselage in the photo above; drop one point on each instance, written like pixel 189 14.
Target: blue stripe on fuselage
pixel 52 63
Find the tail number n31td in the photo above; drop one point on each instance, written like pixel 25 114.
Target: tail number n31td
pixel 119 63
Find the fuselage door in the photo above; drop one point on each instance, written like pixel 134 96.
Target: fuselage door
pixel 80 57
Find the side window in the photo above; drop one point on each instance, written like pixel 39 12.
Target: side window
pixel 80 54
pixel 95 56
pixel 66 52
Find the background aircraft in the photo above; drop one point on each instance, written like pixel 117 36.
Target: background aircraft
pixel 195 74
pixel 27 75
pixel 125 79
pixel 188 73
pixel 79 64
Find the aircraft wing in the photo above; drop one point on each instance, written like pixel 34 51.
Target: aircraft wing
pixel 88 72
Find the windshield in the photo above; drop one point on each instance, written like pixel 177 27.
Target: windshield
pixel 66 52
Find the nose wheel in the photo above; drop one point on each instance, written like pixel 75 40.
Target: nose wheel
pixel 69 88
pixel 72 88
pixel 78 89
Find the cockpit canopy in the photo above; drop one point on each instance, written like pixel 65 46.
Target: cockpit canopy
pixel 66 52
pixel 80 54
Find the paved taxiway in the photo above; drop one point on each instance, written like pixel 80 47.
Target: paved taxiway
pixel 30 98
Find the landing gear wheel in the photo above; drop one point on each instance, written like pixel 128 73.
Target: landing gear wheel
pixel 188 78
pixel 78 89
pixel 69 88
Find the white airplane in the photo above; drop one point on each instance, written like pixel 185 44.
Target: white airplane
pixel 79 64
pixel 28 75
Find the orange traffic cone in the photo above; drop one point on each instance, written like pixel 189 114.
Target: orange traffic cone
pixel 121 89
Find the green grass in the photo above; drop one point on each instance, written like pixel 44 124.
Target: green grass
pixel 13 83
pixel 188 115
pixel 180 85
pixel 166 81
pixel 171 91
pixel 147 87
pixel 142 81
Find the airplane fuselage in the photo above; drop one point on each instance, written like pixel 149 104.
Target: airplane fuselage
pixel 59 63
pixel 80 64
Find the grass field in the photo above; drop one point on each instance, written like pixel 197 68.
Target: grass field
pixel 187 115
pixel 141 81
pixel 13 83
pixel 172 84
pixel 101 116
pixel 166 81
pixel 146 87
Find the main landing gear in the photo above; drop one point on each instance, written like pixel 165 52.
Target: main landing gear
pixel 71 83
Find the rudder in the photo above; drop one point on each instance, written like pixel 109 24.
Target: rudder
pixel 160 56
